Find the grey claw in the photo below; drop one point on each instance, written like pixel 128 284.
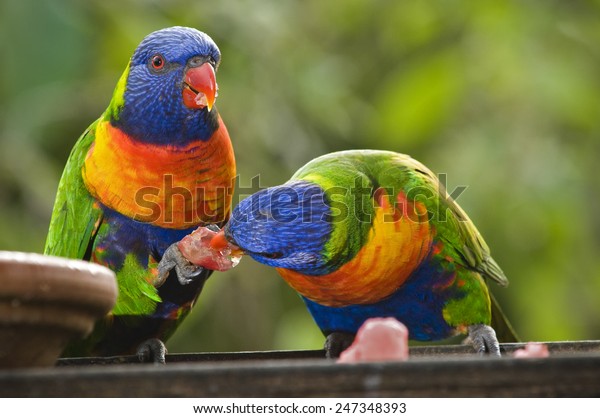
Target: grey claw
pixel 336 342
pixel 186 273
pixel 152 350
pixel 173 259
pixel 483 338
pixel 213 227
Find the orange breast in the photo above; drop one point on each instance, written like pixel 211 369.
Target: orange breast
pixel 166 186
pixel 398 241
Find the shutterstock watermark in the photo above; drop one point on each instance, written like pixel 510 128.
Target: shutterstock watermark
pixel 201 202
pixel 421 203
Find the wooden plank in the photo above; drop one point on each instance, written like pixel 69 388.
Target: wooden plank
pixel 572 372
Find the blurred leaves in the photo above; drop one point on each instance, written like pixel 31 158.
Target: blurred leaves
pixel 417 102
pixel 501 96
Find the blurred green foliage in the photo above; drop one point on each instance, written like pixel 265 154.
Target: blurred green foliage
pixel 503 96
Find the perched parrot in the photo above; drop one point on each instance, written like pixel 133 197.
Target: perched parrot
pixel 157 164
pixel 364 233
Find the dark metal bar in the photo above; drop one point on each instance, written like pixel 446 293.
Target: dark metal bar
pixel 415 351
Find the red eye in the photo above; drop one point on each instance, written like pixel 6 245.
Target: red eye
pixel 157 62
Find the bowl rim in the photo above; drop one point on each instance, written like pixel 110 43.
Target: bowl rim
pixel 39 277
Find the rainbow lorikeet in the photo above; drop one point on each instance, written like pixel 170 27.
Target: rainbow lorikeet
pixel 157 164
pixel 364 233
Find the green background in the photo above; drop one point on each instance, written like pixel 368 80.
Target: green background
pixel 502 96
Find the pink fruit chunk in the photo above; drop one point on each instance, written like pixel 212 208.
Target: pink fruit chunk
pixel 209 249
pixel 378 339
pixel 532 350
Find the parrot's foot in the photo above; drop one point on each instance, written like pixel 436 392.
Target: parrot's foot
pixel 483 339
pixel 336 342
pixel 173 259
pixel 152 350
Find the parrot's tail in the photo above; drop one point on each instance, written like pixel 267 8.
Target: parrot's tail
pixel 504 330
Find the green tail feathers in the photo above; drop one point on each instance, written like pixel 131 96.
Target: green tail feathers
pixel 504 330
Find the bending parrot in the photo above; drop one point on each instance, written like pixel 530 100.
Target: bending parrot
pixel 364 233
pixel 157 164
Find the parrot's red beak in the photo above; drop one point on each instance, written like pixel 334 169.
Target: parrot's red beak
pixel 200 87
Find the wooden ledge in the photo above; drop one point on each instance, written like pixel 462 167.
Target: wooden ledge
pixel 572 370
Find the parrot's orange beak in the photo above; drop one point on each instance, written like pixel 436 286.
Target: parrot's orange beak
pixel 200 87
pixel 219 242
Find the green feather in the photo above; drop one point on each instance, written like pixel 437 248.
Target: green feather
pixel 341 180
pixel 474 306
pixel 136 295
pixel 75 215
pixel 118 98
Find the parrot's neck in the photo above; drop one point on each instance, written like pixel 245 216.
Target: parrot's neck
pixel 371 275
pixel 166 186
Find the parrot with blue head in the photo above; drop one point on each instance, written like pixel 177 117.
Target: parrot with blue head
pixel 157 164
pixel 366 233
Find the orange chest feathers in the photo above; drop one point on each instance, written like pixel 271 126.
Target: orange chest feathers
pixel 166 186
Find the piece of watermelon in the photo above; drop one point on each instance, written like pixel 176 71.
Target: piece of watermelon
pixel 378 339
pixel 532 350
pixel 209 249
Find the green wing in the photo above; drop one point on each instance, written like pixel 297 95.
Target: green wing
pixel 460 234
pixel 75 217
pixel 452 223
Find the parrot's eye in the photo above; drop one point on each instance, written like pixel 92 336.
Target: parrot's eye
pixel 157 62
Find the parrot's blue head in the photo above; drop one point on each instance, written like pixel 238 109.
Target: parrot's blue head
pixel 166 94
pixel 284 226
